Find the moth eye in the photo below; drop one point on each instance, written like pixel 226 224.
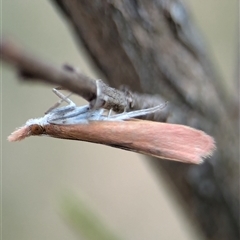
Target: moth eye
pixel 36 129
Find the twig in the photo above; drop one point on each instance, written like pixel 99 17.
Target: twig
pixel 96 92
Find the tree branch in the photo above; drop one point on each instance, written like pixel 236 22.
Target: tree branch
pixel 99 94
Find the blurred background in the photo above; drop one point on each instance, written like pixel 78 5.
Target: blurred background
pixel 40 173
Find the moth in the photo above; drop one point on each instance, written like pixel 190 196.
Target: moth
pixel 162 140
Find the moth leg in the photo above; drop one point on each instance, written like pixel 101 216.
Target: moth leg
pixel 97 115
pixel 100 99
pixel 109 113
pixel 137 113
pixel 62 97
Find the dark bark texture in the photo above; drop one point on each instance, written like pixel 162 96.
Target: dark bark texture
pixel 153 47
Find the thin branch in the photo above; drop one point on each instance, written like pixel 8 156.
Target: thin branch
pixel 96 92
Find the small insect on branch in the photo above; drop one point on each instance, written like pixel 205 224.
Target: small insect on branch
pixel 162 140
